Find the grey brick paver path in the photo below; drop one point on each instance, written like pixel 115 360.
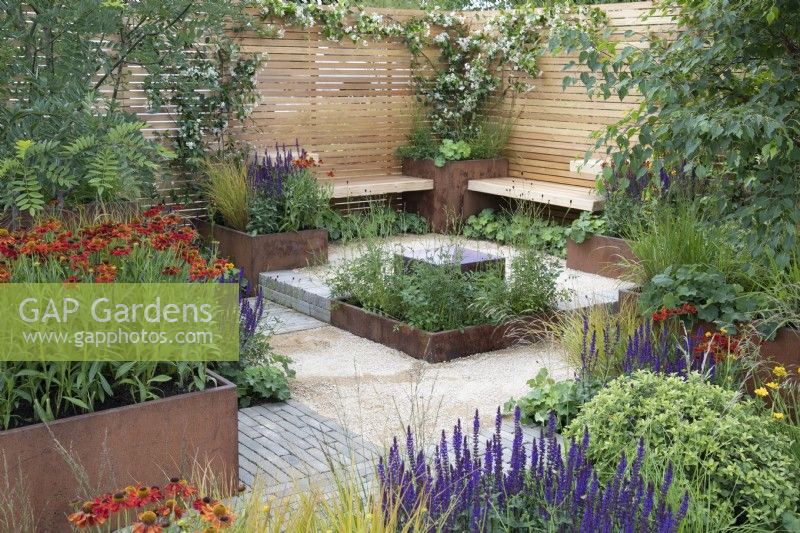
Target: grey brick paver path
pixel 291 447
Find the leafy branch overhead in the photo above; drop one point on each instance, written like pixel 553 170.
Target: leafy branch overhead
pixel 719 102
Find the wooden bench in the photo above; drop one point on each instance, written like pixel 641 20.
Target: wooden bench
pixel 570 196
pixel 378 185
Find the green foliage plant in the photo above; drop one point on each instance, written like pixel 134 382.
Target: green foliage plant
pixel 778 293
pixel 586 225
pixel 523 226
pixel 716 299
pixel 62 92
pixel 227 189
pixel 104 158
pixel 261 374
pixel 304 201
pixel 546 395
pixel 376 221
pixel 451 150
pixel 719 102
pixel 679 235
pixel 734 463
pixel 529 289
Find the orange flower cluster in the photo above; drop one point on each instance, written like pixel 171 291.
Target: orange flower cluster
pixel 718 345
pixel 97 253
pixel 305 161
pixel 154 508
pixel 666 312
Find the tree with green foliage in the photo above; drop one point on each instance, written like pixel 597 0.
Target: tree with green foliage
pixel 721 103
pixel 64 68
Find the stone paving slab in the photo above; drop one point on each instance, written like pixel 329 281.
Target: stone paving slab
pixel 280 319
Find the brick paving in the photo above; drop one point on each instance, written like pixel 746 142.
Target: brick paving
pixel 291 447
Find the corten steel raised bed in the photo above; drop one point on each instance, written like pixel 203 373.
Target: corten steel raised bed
pixel 599 254
pixel 432 347
pixel 263 253
pixel 144 443
pixel 784 349
pixel 450 201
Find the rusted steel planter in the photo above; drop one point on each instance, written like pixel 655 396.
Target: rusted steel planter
pixel 263 253
pixel 599 254
pixel 144 443
pixel 784 349
pixel 432 347
pixel 450 200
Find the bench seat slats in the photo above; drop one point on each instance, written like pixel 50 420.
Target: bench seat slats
pixel 570 196
pixel 372 186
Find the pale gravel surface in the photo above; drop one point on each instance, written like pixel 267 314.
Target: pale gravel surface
pixel 375 391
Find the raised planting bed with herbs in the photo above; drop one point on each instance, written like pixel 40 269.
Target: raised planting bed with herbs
pixel 267 213
pixel 433 347
pixel 264 253
pixel 437 310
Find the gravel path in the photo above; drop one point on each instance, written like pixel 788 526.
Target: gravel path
pixel 375 391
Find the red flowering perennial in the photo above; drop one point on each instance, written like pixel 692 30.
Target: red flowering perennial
pixel 667 312
pixel 153 508
pixel 100 253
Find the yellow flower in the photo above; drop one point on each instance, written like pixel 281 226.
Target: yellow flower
pixel 780 371
pixel 266 509
pixel 723 331
pixel 708 334
pixel 229 266
pixel 772 385
pixel 761 391
pixel 777 416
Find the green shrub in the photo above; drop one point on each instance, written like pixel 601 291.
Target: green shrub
pixel 523 227
pixel 100 158
pixel 707 289
pixel 677 235
pixel 735 464
pixel 531 287
pixel 564 398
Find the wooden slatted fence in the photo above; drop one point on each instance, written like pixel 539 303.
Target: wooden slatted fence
pixel 353 103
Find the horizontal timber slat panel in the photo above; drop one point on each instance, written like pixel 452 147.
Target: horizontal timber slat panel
pixel 554 125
